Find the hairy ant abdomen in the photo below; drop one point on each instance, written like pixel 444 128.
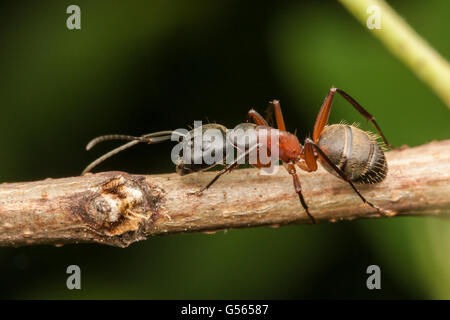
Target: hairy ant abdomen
pixel 356 152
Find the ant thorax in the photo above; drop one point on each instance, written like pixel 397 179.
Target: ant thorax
pixel 289 147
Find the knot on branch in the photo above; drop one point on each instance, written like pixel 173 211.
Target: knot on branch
pixel 120 205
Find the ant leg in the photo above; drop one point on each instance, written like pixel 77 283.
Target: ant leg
pixel 257 118
pixel 324 113
pixel 274 107
pixel 341 173
pixel 290 167
pixel 230 167
pixel 278 115
pixel 364 113
pixel 216 177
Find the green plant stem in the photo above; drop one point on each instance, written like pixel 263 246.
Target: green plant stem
pixel 407 45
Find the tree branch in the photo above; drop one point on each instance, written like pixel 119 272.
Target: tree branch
pixel 117 208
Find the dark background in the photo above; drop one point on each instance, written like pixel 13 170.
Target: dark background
pixel 142 66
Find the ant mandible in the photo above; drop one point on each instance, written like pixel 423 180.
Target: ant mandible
pixel 344 150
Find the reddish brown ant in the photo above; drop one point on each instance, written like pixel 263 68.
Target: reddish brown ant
pixel 344 150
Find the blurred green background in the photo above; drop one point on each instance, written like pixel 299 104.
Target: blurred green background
pixel 143 66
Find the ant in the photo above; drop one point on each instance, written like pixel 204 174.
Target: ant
pixel 344 150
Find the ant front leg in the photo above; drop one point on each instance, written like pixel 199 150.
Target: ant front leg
pixel 228 168
pixel 216 177
pixel 310 143
pixel 290 167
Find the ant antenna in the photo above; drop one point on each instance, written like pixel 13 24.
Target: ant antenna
pixel 109 154
pixel 97 140
pixel 150 138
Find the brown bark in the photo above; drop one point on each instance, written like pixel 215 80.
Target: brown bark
pixel 117 208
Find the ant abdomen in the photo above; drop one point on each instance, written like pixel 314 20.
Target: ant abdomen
pixel 356 152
